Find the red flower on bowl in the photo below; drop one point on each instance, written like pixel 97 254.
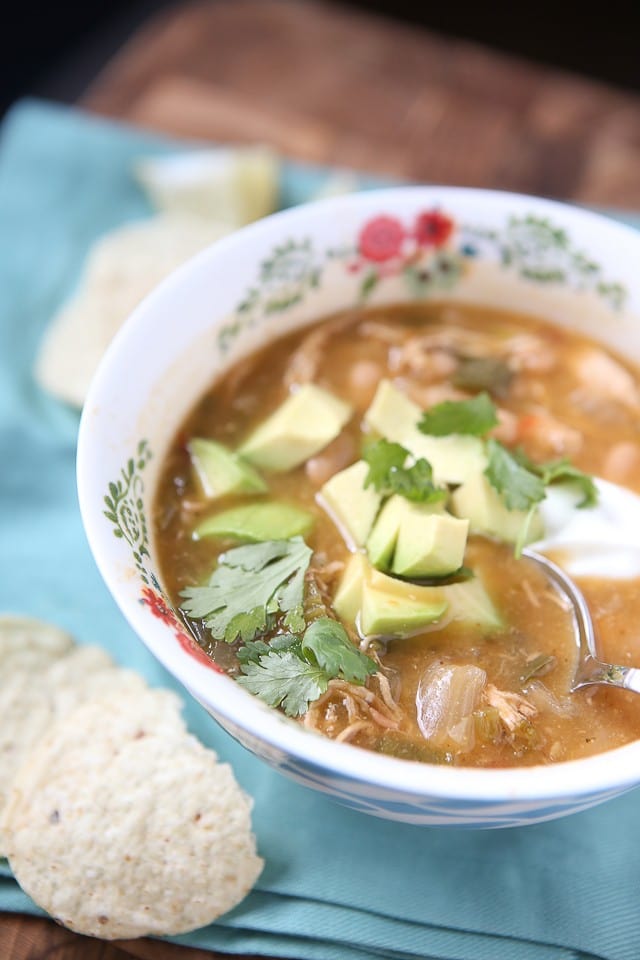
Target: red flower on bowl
pixel 161 609
pixel 381 239
pixel 432 229
pixel 158 606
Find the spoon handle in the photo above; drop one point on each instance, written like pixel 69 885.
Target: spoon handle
pixel 594 671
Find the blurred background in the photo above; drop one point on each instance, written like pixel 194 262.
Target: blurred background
pixel 55 50
pixel 541 98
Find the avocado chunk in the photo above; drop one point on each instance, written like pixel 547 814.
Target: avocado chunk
pixel 352 507
pixel 348 598
pixel 382 540
pixel 488 514
pixel 380 605
pixel 306 422
pixel 453 458
pixel 394 416
pixel 220 472
pixel 256 522
pixel 417 539
pixel 394 614
pixel 391 412
pixel 429 544
pixel 471 603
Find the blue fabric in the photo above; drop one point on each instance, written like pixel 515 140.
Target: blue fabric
pixel 337 885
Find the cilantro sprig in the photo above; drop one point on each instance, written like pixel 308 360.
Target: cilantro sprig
pixel 252 587
pixel 473 417
pixel 389 473
pixel 519 486
pixel 249 587
pixel 562 471
pixel 520 481
pixel 292 671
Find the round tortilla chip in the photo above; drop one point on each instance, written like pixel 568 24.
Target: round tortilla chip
pixel 122 825
pixel 121 269
pixel 35 693
pixel 233 185
pixel 26 642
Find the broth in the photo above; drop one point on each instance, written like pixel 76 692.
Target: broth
pixel 558 395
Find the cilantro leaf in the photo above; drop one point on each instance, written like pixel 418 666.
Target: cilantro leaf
pixel 562 471
pixel 251 651
pixel 474 417
pixel 328 642
pixel 250 585
pixel 483 373
pixel 519 487
pixel 285 680
pixel 291 671
pixel 389 475
pixel 382 457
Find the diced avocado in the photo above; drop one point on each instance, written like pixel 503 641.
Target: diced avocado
pixel 384 535
pixel 488 514
pixel 392 412
pixel 219 471
pixel 306 422
pixel 348 598
pixel 453 458
pixel 429 544
pixel 397 613
pixel 416 539
pixel 470 601
pixel 350 506
pixel 257 522
pixel 381 605
pixel 394 416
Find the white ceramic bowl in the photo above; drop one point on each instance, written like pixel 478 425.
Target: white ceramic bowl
pixel 571 266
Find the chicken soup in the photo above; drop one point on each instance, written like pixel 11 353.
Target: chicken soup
pixel 341 520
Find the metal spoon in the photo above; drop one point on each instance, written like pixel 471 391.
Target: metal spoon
pixel 590 669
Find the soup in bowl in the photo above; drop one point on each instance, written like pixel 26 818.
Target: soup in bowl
pixel 308 468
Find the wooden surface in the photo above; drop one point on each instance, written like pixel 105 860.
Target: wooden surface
pixel 329 84
pixel 326 84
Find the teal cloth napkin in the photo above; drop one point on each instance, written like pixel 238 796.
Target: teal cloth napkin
pixel 337 885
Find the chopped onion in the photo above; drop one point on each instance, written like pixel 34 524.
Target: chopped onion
pixel 447 696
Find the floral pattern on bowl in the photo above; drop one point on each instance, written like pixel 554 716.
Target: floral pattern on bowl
pixel 430 254
pixel 125 511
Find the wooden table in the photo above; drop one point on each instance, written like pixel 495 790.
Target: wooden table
pixel 326 84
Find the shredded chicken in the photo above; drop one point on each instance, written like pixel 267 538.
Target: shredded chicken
pixel 606 378
pixel 526 351
pixel 304 365
pixel 358 726
pixel 512 708
pixel 354 709
pixel 428 366
pixel 385 692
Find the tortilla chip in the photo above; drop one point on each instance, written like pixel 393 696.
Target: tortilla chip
pixel 25 641
pixel 122 825
pixel 121 269
pixel 230 185
pixel 37 689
